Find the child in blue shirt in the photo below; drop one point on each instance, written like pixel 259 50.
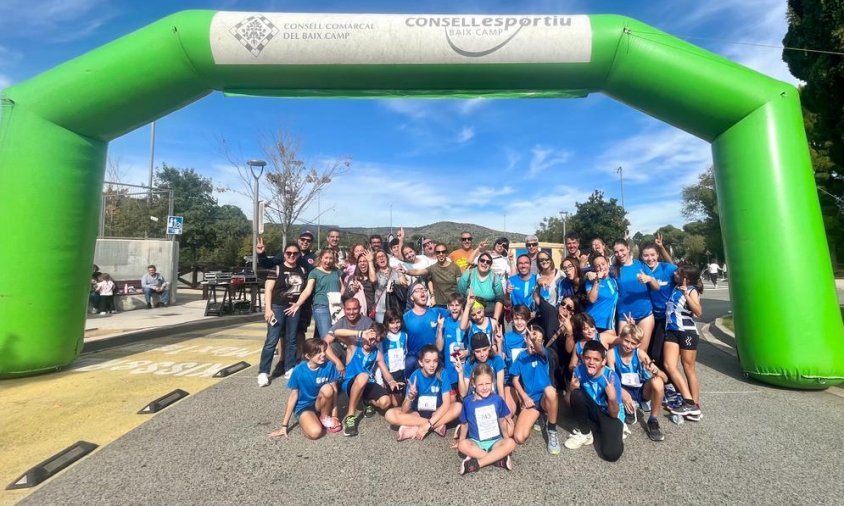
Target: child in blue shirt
pixel 474 320
pixel 583 328
pixel 481 354
pixel 532 383
pixel 602 297
pixel 593 395
pixel 394 348
pixel 641 379
pixel 363 356
pixel 451 340
pixel 511 346
pixel 486 421
pixel 427 401
pixel 313 393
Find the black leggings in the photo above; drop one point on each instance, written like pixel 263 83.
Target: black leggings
pixel 609 430
pixel 657 341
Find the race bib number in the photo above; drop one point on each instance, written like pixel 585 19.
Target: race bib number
pixel 631 379
pixel 487 423
pixel 427 403
pixel 395 359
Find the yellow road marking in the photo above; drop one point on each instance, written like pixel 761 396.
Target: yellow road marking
pixel 98 398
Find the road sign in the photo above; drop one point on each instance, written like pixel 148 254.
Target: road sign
pixel 175 224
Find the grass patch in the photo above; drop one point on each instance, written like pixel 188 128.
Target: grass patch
pixel 728 322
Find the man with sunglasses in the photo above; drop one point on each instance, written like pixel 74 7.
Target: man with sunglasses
pixel 461 256
pixel 428 247
pixel 443 275
pixel 532 245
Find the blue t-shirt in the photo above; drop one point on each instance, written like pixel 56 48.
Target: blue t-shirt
pixel 514 343
pixel 596 387
pixel 564 289
pixel 523 291
pixel 480 414
pixel 532 370
pixel 603 309
pixel 664 274
pixel 361 362
pixel 308 382
pixel 422 330
pixel 451 336
pixel 474 329
pixel 633 296
pixel 494 361
pixel 429 392
pixel 632 375
pixel 397 342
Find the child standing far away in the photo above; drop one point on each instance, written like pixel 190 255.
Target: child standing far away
pixel 428 403
pixel 486 421
pixel 642 383
pixel 313 393
pixel 593 395
pixel 363 356
pixel 532 382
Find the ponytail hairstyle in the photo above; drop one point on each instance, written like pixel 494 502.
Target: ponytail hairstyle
pixel 692 275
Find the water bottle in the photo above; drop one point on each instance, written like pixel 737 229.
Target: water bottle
pixel 677 419
pixel 126 288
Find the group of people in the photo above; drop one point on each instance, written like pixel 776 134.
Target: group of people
pixel 103 290
pixel 485 339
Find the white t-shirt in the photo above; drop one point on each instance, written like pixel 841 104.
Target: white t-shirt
pixel 714 268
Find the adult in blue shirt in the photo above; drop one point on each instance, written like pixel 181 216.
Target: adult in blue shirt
pixel 420 322
pixel 659 277
pixel 520 287
pixel 601 298
pixel 633 298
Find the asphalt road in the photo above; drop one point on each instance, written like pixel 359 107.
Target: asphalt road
pixel 754 445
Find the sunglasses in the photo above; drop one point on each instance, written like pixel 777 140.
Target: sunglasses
pixel 305 239
pixel 440 252
pixel 465 238
pixel 532 244
pixel 291 253
pixel 545 260
pixel 485 261
pixel 428 243
pixel 570 308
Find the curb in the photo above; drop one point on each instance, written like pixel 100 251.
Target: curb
pixel 716 327
pixel 106 342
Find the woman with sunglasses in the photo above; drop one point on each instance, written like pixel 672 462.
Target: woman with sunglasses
pixel 323 280
pixel 282 288
pixel 485 286
pixel 360 284
pixel 502 261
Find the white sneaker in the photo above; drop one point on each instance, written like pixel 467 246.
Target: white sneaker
pixel 288 374
pixel 263 379
pixel 102 313
pixel 625 431
pixel 577 439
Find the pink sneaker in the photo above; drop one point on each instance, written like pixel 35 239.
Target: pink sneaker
pixel 330 423
pixel 406 432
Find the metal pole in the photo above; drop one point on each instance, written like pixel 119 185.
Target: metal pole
pixel 621 178
pixel 252 164
pixel 391 218
pixel 563 216
pixel 151 169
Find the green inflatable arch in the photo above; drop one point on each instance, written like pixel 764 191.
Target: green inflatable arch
pixel 55 128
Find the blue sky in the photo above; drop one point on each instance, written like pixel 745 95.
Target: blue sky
pixel 497 163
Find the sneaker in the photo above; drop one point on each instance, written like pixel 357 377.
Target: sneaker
pixel 469 465
pixel 505 463
pixel 103 313
pixel 407 432
pixel 94 311
pixel 553 443
pixel 654 430
pixel 350 427
pixel 369 411
pixel 578 439
pixel 440 431
pixel 630 418
pixel 330 423
pixel 113 311
pixel 646 406
pixel 625 431
pixel 263 379
pixel 694 418
pixel 288 374
pixel 685 409
pixel 149 306
pixel 539 423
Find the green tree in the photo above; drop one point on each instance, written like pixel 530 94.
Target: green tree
pixel 594 218
pixel 700 202
pixel 818 26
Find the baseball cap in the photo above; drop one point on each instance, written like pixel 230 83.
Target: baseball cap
pixel 480 340
pixel 307 234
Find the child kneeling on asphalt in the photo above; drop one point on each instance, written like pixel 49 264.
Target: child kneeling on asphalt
pixel 593 396
pixel 429 403
pixel 313 393
pixel 642 382
pixel 363 357
pixel 532 382
pixel 486 421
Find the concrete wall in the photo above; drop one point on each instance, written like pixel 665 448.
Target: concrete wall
pixel 126 259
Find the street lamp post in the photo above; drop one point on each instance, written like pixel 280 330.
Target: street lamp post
pixel 564 215
pixel 621 179
pixel 252 164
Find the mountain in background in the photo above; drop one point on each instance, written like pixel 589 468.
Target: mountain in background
pixel 447 232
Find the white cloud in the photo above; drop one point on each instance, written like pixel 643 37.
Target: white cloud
pixel 647 218
pixel 5 82
pixel 470 106
pixel 465 135
pixel 543 158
